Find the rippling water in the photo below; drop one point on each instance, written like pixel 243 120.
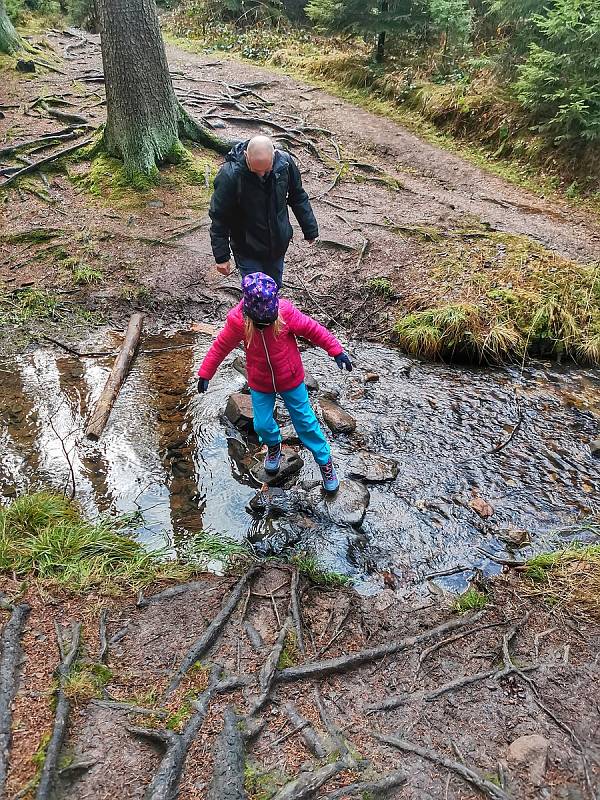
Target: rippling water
pixel 166 452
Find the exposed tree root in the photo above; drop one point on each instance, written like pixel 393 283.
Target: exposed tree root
pixel 61 716
pixel 10 659
pixel 331 666
pixel 295 609
pixel 306 785
pixel 202 645
pixel 43 161
pixel 484 786
pixel 311 739
pixel 229 761
pixel 389 781
pixel 190 129
pixel 336 736
pixel 254 637
pixel 268 670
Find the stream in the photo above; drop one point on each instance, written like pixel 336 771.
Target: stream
pixel 168 454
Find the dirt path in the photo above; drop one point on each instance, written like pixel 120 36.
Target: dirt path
pixel 418 188
pixel 449 692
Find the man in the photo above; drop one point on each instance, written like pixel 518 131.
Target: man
pixel 249 209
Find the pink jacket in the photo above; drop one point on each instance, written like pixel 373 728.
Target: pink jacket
pixel 273 362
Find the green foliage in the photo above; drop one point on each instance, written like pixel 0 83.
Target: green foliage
pixel 309 567
pixel 86 681
pixel 381 286
pixel 567 578
pixel 471 600
pixel 84 274
pixel 83 14
pixel 44 535
pixel 27 305
pixel 559 83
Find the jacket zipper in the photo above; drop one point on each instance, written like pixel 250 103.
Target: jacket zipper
pixel 262 336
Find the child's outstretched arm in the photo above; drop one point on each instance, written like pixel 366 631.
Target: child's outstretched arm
pixel 302 325
pixel 231 335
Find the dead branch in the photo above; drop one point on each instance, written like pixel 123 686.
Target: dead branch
pixel 307 784
pixel 484 786
pixel 43 161
pixel 103 651
pixel 61 715
pixel 229 761
pixel 311 739
pixel 295 610
pixel 101 412
pixel 202 645
pixel 268 670
pixel 10 661
pixel 388 781
pixel 332 666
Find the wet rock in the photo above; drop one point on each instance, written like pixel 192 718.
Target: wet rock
pixel 595 447
pixel 371 377
pixel 530 754
pixel 239 410
pixel 310 382
pixel 273 501
pixel 373 468
pixel 291 463
pixel 336 419
pixel 25 65
pixel 289 435
pixel 514 537
pixel 481 507
pixel 347 506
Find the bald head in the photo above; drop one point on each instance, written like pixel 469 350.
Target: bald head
pixel 259 155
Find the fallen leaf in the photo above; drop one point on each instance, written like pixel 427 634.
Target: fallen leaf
pixel 481 507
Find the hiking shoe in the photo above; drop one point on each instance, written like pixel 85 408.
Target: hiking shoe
pixel 273 459
pixel 330 479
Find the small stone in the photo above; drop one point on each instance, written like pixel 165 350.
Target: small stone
pixel 514 537
pixel 291 463
pixel 24 65
pixel 371 377
pixel 239 410
pixel 373 468
pixel 217 123
pixel 481 507
pixel 336 419
pixel 595 447
pixel 531 754
pixel 310 382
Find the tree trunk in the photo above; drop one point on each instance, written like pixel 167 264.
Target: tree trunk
pixel 380 54
pixel 144 118
pixel 9 38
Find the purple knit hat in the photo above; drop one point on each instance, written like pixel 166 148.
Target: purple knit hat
pixel 261 302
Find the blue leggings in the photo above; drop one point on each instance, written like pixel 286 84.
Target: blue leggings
pixel 303 417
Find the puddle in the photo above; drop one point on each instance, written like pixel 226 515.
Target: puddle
pixel 166 453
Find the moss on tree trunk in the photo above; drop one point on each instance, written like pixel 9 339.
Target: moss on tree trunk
pixel 144 118
pixel 9 39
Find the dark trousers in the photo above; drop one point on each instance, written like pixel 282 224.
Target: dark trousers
pixel 248 265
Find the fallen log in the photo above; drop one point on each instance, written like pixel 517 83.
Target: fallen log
pixel 488 788
pixel 61 714
pixel 331 666
pixel 229 761
pixel 202 645
pixel 116 378
pixel 10 659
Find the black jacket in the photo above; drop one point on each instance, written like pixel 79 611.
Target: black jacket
pixel 253 214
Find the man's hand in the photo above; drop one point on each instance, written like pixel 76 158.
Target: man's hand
pixel 343 360
pixel 225 268
pixel 202 385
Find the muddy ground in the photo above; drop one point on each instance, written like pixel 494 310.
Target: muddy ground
pixel 153 249
pixel 474 724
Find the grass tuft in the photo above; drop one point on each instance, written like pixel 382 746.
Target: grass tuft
pixel 568 578
pixel 309 567
pixel 27 305
pixel 84 274
pixel 45 536
pixel 471 600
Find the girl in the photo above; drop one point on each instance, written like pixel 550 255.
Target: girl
pixel 268 327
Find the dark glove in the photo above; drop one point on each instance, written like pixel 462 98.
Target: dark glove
pixel 202 385
pixel 343 360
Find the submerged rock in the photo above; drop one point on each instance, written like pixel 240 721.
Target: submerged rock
pixel 336 419
pixel 272 501
pixel 373 468
pixel 291 463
